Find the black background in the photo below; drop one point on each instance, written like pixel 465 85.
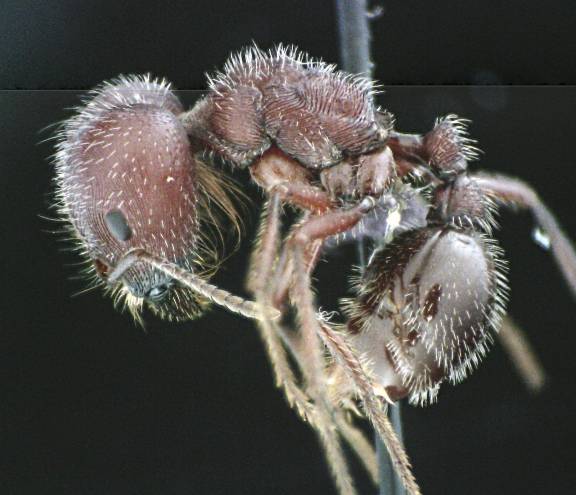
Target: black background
pixel 91 404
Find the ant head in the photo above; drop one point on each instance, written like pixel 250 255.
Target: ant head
pixel 127 178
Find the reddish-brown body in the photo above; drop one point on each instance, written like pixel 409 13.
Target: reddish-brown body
pixel 129 180
pixel 313 113
pixel 140 162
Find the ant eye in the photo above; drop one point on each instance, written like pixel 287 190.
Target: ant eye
pixel 118 225
pixel 157 293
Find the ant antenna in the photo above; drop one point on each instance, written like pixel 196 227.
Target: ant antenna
pixel 222 297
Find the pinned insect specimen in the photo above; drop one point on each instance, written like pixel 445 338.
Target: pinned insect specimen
pixel 140 201
pixel 312 138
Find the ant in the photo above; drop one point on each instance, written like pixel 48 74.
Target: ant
pixel 312 138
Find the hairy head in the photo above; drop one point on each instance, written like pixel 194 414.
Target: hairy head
pixel 128 178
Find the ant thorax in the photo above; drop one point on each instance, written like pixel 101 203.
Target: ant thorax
pixel 317 117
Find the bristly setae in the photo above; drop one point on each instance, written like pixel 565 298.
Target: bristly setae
pixel 426 309
pixel 127 177
pixel 284 99
pixel 132 184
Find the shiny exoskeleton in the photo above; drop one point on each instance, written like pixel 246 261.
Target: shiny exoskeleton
pixel 430 300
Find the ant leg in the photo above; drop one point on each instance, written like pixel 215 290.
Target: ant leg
pixel 509 191
pixel 522 355
pixel 267 265
pixel 339 348
pixel 283 176
pixel 262 269
pixel 360 445
pixel 259 280
pixel 274 336
pixel 265 252
pixel 219 296
pixel 279 174
pixel 307 197
pixel 311 349
pixel 343 353
pixel 284 271
pixel 318 413
pixel 271 172
pixel 315 372
pixel 321 227
pixel 352 435
pixel 312 252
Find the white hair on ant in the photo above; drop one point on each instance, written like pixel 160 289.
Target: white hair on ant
pixel 128 177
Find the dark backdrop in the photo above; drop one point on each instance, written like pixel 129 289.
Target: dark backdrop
pixel 91 404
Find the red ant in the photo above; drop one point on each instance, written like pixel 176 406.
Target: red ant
pixel 312 138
